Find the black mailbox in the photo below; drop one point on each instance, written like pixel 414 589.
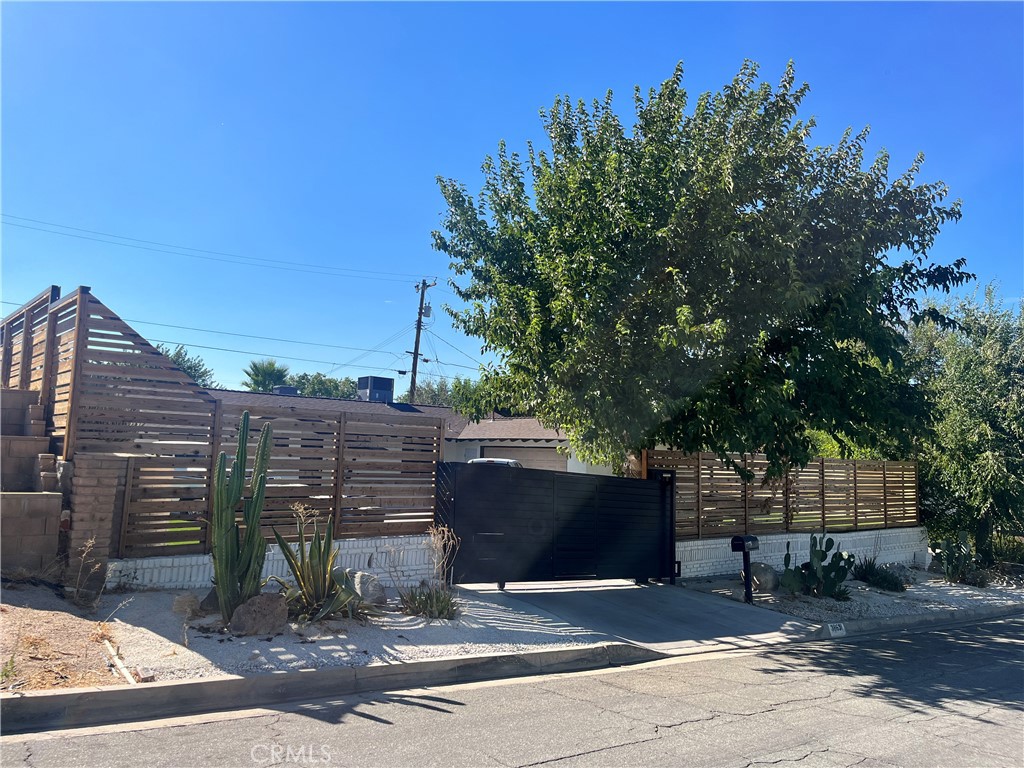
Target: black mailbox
pixel 744 543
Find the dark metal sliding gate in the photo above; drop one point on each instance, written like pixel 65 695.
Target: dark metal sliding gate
pixel 536 525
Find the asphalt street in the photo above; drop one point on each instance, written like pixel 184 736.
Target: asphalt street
pixel 952 697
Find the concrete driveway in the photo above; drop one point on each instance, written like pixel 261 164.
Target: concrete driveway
pixel 664 618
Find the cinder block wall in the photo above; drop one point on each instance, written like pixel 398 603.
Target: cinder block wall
pixel 14 410
pixel 404 560
pixel 714 557
pixel 29 523
pixel 97 496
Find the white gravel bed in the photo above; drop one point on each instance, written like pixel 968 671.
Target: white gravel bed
pixel 929 595
pixel 150 636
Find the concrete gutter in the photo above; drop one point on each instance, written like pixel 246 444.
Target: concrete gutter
pixel 839 630
pixel 80 707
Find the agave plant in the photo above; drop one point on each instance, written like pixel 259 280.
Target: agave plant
pixel 318 592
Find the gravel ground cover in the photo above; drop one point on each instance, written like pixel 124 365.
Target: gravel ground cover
pixel 929 594
pixel 151 638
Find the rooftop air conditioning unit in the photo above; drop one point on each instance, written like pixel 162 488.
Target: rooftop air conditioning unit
pixel 376 389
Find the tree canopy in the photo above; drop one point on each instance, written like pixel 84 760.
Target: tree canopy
pixel 193 365
pixel 973 461
pixel 709 280
pixel 264 375
pixel 319 385
pixel 455 393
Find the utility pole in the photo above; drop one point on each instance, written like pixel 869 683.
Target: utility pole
pixel 422 288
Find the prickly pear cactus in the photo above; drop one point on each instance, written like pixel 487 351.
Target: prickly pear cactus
pixel 819 576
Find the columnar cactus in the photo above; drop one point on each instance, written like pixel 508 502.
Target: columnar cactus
pixel 238 556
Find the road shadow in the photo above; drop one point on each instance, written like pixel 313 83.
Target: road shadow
pixel 337 711
pixel 946 669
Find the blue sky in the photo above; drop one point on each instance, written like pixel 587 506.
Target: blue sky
pixel 311 134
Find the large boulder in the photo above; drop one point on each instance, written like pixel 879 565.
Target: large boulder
pixel 265 614
pixel 368 587
pixel 766 578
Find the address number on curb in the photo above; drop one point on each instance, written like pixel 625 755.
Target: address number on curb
pixel 837 630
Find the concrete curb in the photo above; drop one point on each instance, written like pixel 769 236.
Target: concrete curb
pixel 80 707
pixel 916 621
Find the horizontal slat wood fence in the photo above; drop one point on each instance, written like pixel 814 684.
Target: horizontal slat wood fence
pixel 107 390
pixel 834 494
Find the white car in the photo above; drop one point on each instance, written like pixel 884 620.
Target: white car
pixel 503 462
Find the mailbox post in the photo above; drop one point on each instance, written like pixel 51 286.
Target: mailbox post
pixel 746 545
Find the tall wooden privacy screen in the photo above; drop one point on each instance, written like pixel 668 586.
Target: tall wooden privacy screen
pixel 833 494
pixel 106 390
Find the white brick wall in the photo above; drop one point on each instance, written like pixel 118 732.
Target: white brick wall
pixel 405 559
pixel 714 557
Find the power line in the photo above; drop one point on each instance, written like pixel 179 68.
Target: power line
pixel 198 250
pixel 454 347
pixel 393 337
pixel 264 354
pixel 253 336
pixel 210 258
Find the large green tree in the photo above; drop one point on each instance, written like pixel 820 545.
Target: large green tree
pixel 455 393
pixel 263 375
pixel 319 385
pixel 193 365
pixel 973 461
pixel 707 280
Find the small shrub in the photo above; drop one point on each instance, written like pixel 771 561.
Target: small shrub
pixel 430 601
pixel 434 599
pixel 977 577
pixel 1008 549
pixel 868 571
pixel 7 671
pixel 841 593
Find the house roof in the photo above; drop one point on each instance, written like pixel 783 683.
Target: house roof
pixel 454 422
pixel 508 429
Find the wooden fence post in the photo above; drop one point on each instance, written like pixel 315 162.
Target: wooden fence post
pixel 746 499
pixel 216 430
pixel 5 365
pixel 885 498
pixel 74 391
pixel 821 469
pixel 854 495
pixel 49 360
pixel 700 506
pixel 643 464
pixel 25 372
pixel 126 504
pixel 339 474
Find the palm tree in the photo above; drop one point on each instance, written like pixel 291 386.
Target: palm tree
pixel 264 375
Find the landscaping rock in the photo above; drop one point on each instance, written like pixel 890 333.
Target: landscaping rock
pixel 186 605
pixel 265 614
pixel 766 578
pixel 369 588
pixel 210 603
pixel 906 575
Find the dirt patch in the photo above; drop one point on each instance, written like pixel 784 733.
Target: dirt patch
pixel 46 649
